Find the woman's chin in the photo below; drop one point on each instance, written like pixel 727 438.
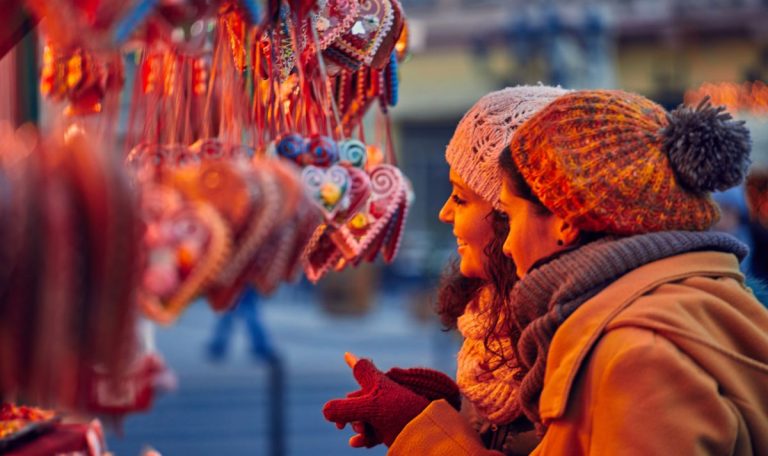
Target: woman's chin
pixel 471 271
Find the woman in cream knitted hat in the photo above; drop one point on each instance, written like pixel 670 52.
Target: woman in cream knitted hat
pixel 472 295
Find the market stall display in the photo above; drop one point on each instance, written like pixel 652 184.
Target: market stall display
pixel 243 161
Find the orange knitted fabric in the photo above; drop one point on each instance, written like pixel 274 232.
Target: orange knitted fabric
pixel 596 159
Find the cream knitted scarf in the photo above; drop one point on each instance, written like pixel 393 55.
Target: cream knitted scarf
pixel 493 392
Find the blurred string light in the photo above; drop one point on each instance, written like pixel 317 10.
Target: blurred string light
pixel 744 97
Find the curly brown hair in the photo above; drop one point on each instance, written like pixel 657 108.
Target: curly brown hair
pixel 456 290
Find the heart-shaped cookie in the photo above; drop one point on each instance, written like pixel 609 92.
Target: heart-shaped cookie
pixel 327 188
pixel 191 246
pixel 335 246
pixel 377 23
pixel 357 196
pixel 332 19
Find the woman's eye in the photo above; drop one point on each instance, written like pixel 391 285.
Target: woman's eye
pixel 458 201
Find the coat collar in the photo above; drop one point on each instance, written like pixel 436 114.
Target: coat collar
pixel 579 333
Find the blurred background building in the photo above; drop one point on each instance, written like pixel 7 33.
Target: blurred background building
pixel 462 49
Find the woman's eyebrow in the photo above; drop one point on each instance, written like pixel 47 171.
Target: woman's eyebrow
pixel 456 184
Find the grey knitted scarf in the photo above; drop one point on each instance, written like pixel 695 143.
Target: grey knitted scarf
pixel 547 295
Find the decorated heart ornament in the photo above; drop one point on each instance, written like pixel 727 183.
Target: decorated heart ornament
pixel 395 235
pixel 332 19
pixel 357 196
pixel 320 254
pixel 333 246
pixel 193 245
pixel 262 220
pixel 327 188
pixel 375 23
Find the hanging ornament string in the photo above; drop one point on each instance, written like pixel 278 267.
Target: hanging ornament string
pixel 305 88
pixel 259 93
pixel 213 82
pixel 335 131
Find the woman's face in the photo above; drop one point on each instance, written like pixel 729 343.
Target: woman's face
pixel 533 235
pixel 468 213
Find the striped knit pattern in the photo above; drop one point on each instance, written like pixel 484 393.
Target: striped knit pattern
pixel 487 128
pixel 546 296
pixel 493 392
pixel 596 159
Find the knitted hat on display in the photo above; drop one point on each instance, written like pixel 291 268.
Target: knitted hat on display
pixel 615 162
pixel 486 129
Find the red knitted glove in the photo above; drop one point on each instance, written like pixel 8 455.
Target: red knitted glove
pixel 383 405
pixel 429 383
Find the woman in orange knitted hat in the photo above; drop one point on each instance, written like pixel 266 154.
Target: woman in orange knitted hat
pixel 636 331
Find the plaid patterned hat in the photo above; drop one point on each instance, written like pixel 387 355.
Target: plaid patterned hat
pixel 486 129
pixel 615 162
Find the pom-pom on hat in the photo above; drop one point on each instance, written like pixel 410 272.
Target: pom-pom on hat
pixel 487 128
pixel 616 162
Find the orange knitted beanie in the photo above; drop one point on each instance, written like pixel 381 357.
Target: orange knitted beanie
pixel 616 162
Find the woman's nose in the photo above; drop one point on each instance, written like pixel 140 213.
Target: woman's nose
pixel 507 247
pixel 446 212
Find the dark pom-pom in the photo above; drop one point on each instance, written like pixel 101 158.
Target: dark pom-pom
pixel 708 150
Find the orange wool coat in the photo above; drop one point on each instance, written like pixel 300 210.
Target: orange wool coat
pixel 672 358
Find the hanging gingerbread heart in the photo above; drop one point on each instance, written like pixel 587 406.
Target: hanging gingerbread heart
pixel 389 39
pixel 387 195
pixel 190 247
pixel 320 255
pixel 223 184
pixel 262 221
pixel 395 236
pixel 327 187
pixel 376 23
pixel 359 193
pixel 272 261
pixel 333 17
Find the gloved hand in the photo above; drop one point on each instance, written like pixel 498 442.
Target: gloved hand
pixel 431 384
pixel 383 405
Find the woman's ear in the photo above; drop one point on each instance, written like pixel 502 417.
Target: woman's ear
pixel 567 234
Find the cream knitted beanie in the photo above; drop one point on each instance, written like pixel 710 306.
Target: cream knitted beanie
pixel 487 128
